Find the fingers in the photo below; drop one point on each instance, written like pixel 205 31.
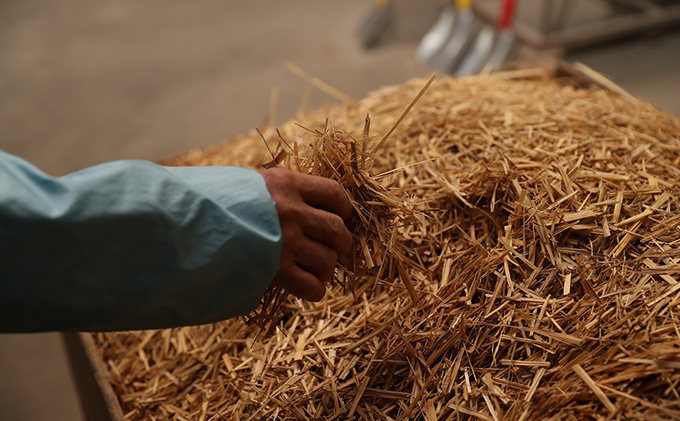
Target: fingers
pixel 305 270
pixel 326 194
pixel 312 211
pixel 328 229
pixel 317 259
pixel 300 283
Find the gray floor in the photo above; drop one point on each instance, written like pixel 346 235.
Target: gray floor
pixel 88 82
pixel 85 83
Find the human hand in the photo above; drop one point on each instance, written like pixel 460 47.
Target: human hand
pixel 312 213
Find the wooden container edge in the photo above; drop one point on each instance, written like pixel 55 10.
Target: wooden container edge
pixel 97 398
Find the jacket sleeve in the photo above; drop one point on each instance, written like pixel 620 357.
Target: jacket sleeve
pixel 132 245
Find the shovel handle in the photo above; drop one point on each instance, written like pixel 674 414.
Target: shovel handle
pixel 507 13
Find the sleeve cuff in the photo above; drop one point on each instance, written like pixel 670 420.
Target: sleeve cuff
pixel 244 194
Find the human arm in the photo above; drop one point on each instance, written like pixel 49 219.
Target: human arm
pixel 132 245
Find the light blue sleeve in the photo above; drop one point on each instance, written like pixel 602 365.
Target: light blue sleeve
pixel 132 245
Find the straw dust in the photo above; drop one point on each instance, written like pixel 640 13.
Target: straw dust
pixel 539 228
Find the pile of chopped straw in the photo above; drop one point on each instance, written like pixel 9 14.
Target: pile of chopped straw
pixel 517 254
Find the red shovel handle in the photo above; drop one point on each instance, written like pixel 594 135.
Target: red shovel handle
pixel 507 13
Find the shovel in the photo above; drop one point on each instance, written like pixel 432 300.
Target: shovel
pixel 374 23
pixel 493 45
pixel 463 36
pixel 438 35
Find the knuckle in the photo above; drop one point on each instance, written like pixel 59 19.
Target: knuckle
pixel 290 211
pixel 337 189
pixel 329 186
pixel 336 225
pixel 277 176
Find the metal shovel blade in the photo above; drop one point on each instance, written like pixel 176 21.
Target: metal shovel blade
pixel 480 53
pixel 502 51
pixel 464 34
pixel 437 36
pixel 374 23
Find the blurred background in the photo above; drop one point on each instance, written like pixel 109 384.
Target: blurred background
pixel 83 82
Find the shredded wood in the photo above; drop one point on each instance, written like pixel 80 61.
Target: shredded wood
pixel 516 258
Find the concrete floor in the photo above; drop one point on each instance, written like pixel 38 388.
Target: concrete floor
pixel 87 82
